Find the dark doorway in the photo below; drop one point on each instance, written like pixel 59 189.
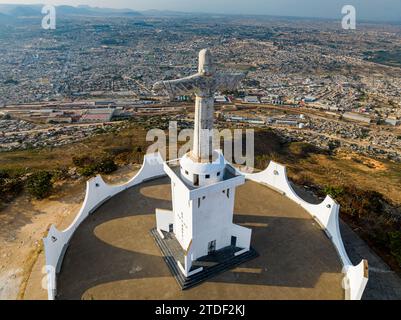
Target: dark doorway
pixel 196 180
pixel 233 241
pixel 171 228
pixel 212 247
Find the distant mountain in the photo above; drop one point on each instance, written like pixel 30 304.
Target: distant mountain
pixel 169 13
pixel 13 10
pixel 25 11
pixel 94 11
pixel 110 11
pixel 70 10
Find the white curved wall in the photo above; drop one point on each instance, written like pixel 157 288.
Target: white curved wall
pixel 97 192
pixel 327 215
pixel 356 280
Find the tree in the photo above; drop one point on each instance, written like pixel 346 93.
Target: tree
pixel 89 167
pixel 40 184
pixel 106 166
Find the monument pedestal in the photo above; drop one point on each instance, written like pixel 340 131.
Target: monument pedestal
pixel 203 268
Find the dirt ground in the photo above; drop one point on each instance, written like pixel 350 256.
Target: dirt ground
pixel 25 222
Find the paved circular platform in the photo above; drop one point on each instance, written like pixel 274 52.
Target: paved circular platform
pixel 113 256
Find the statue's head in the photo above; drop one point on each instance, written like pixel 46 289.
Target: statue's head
pixel 206 64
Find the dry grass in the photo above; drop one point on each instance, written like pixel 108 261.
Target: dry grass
pixel 53 158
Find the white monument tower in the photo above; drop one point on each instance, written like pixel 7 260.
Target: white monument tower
pixel 198 238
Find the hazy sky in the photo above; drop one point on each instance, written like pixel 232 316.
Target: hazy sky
pixel 366 9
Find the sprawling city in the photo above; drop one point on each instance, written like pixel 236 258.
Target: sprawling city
pixel 78 100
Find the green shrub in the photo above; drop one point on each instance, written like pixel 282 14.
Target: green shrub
pixel 88 171
pixel 4 174
pixel 333 145
pixel 89 167
pixel 82 161
pixel 359 203
pixel 10 187
pixel 115 151
pixel 332 191
pixel 60 173
pixel 40 184
pixel 302 149
pixel 106 165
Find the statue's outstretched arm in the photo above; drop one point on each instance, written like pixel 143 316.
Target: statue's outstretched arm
pixel 229 81
pixel 184 86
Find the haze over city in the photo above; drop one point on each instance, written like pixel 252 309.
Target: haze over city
pixel 386 10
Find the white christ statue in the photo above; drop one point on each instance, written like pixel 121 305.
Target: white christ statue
pixel 203 84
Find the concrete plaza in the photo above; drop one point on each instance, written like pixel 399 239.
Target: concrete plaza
pixel 113 256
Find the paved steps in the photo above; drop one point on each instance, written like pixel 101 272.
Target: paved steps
pixel 208 271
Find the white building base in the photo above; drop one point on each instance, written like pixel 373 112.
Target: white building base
pixel 203 197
